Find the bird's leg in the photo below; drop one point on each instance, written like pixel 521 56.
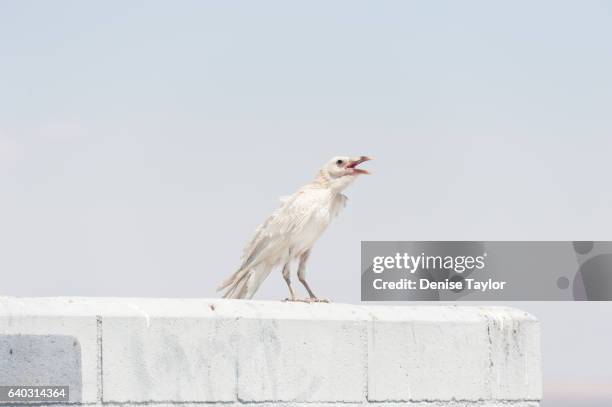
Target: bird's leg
pixel 287 277
pixel 302 277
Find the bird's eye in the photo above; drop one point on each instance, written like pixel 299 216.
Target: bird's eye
pixel 340 162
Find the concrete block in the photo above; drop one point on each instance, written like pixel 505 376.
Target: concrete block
pixel 162 350
pixel 302 353
pixel 515 363
pixel 427 353
pixel 184 352
pixel 49 342
pixel 453 353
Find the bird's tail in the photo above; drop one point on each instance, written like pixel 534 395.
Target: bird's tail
pixel 244 282
pixel 236 285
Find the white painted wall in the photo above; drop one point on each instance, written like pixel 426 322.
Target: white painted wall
pixel 167 351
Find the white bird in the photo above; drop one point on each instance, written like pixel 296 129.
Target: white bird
pixel 291 231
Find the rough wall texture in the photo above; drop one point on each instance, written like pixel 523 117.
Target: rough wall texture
pixel 232 352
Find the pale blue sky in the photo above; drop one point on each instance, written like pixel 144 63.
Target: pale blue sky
pixel 142 142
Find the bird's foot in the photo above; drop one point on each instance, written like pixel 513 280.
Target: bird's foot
pixel 307 300
pixel 315 299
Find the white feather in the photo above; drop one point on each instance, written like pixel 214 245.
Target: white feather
pixel 289 232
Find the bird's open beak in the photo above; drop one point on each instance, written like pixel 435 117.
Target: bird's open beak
pixel 355 162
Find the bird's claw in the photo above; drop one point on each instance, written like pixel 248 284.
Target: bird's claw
pixel 315 299
pixel 307 300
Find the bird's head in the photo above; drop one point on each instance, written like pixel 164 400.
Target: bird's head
pixel 341 171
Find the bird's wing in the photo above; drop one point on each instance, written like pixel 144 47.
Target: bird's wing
pixel 275 232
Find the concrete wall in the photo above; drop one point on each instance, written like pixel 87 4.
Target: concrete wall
pixel 231 353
